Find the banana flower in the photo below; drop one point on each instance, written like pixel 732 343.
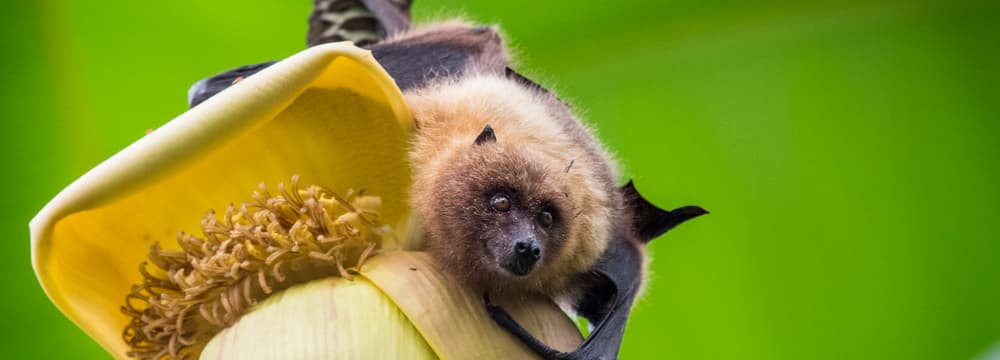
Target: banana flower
pixel 329 114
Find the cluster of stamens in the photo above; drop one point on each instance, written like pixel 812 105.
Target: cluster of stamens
pixel 189 295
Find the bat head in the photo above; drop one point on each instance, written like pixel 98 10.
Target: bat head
pixel 502 217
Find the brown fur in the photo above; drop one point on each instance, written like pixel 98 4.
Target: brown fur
pixel 537 140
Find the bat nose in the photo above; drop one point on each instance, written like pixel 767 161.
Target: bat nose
pixel 528 248
pixel 526 254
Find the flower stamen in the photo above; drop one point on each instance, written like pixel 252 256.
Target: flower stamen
pixel 188 295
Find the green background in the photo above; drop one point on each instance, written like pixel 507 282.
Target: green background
pixel 848 152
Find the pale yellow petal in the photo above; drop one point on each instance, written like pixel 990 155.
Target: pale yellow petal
pixel 331 318
pixel 402 307
pixel 329 113
pixel 452 318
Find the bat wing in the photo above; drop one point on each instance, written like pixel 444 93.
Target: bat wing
pixel 620 269
pixel 362 21
pixel 208 87
pixel 648 220
pixel 612 290
pixel 447 50
pixel 413 61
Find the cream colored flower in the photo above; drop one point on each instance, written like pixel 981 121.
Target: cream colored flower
pixel 332 115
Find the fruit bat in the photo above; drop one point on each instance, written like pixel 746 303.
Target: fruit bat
pixel 528 223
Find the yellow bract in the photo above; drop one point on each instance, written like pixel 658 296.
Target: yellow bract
pixel 338 319
pixel 323 319
pixel 330 114
pixel 454 322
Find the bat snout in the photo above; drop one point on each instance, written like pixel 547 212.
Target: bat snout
pixel 522 260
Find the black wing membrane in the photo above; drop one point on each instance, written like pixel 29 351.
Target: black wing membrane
pixel 416 62
pixel 411 65
pixel 364 22
pixel 648 220
pixel 412 62
pixel 613 283
pixel 620 270
pixel 208 87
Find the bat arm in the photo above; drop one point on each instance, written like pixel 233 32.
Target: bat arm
pixel 620 267
pixel 502 318
pixel 603 343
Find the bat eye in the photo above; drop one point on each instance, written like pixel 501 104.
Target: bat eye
pixel 500 202
pixel 545 218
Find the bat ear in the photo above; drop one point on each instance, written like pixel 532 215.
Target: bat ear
pixel 648 220
pixel 486 136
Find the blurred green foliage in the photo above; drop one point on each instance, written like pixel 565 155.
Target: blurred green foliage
pixel 848 152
